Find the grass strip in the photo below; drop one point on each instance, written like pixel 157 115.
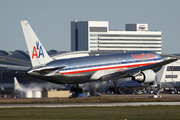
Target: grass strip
pixel 97 113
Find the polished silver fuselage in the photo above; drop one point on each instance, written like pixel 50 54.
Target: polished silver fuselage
pixel 92 68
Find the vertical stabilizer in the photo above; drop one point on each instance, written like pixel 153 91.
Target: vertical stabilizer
pixel 38 54
pixel 2 88
pixel 17 85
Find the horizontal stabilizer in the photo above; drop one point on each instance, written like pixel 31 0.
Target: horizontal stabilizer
pixel 48 69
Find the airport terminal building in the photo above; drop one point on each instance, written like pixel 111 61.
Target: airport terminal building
pixel 169 75
pixel 96 36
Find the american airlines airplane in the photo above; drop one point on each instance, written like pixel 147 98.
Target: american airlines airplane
pixel 141 66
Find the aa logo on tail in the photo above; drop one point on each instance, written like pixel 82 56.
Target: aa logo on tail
pixel 37 51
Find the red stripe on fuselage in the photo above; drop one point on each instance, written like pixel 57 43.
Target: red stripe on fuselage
pixel 96 69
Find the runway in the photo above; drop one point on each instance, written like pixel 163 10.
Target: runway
pixel 87 104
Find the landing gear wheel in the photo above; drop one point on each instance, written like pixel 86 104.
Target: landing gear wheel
pixel 111 88
pixel 114 89
pixel 73 89
pixel 152 83
pixel 78 90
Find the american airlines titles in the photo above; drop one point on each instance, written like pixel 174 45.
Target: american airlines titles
pixel 143 56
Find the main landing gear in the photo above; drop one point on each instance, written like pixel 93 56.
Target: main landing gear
pixel 77 89
pixel 114 88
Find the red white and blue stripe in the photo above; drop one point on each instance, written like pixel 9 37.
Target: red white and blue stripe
pixel 108 66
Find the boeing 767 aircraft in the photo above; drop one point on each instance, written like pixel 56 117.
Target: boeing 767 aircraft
pixel 141 66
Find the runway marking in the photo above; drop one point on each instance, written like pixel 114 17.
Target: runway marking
pixel 88 104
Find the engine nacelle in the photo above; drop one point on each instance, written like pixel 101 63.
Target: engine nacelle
pixel 146 76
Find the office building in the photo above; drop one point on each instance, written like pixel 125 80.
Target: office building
pixel 96 36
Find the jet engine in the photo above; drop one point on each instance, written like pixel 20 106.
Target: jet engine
pixel 146 76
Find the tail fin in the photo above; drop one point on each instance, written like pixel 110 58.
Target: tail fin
pixel 2 88
pixel 16 84
pixel 38 54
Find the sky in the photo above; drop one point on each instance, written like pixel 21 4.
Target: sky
pixel 51 20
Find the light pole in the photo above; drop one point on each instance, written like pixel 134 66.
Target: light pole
pixel 1 70
pixel 172 71
pixel 1 78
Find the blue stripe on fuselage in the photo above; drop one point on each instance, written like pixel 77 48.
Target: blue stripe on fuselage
pixel 121 57
pixel 109 64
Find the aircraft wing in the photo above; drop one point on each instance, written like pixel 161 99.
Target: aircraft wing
pixel 131 72
pixel 170 55
pixel 13 67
